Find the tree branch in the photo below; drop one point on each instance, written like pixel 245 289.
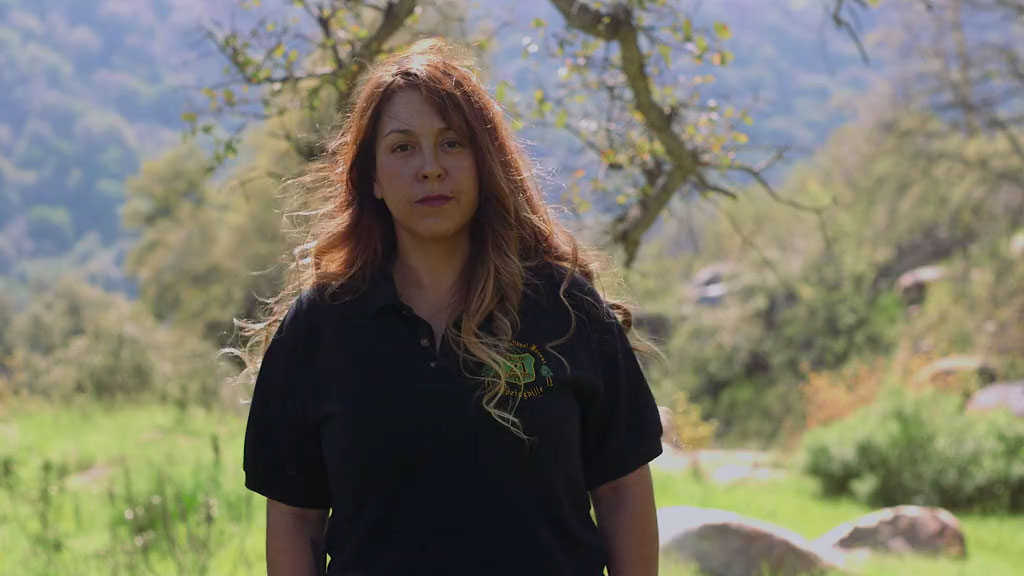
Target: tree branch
pixel 635 222
pixel 394 17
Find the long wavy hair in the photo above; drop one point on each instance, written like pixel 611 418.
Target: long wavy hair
pixel 350 234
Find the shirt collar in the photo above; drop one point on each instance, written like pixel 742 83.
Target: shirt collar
pixel 381 291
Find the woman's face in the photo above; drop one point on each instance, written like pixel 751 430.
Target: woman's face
pixel 425 172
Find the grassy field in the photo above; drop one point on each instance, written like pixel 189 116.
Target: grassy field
pixel 152 490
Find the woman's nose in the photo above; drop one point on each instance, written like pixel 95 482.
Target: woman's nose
pixel 431 170
pixel 429 174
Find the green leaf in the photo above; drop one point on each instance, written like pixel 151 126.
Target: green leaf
pixel 293 55
pixel 190 117
pixel 722 31
pixel 666 54
pixel 562 118
pixel 538 23
pixel 278 51
pixel 688 30
pixel 702 43
pixel 499 92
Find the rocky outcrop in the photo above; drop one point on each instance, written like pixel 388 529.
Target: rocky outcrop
pixel 668 429
pixel 1008 395
pixel 901 530
pixel 724 543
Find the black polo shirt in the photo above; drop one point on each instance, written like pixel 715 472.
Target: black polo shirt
pixel 354 410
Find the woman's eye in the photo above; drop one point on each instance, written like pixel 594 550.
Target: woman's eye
pixel 453 143
pixel 401 147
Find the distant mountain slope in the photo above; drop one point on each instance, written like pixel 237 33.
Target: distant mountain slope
pixel 88 91
pixel 92 88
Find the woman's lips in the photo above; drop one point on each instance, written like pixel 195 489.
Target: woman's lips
pixel 434 200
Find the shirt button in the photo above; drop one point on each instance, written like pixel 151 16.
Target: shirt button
pixel 424 342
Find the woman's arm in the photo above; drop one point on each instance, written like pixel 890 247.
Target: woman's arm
pixel 628 522
pixel 295 540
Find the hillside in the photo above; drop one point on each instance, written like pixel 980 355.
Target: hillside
pixel 95 88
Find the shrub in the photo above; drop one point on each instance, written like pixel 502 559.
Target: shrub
pixel 78 340
pixel 921 448
pixel 831 396
pixel 690 430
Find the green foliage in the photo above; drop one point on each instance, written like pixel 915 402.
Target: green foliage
pixel 745 360
pixel 832 321
pixel 807 291
pixel 76 340
pixel 207 249
pixel 922 449
pixel 85 98
pixel 6 339
pixel 51 226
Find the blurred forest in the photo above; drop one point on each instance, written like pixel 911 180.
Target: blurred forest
pixel 812 203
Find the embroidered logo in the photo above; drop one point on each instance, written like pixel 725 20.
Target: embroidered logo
pixel 522 369
pixel 519 368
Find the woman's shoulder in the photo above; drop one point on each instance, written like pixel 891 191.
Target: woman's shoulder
pixel 548 278
pixel 314 303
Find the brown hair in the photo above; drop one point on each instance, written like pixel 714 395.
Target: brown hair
pixel 352 234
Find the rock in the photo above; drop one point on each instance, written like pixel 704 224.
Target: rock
pixel 1009 395
pixel 913 284
pixel 668 431
pixel 1017 245
pixel 942 371
pixel 657 327
pixel 712 283
pixel 901 530
pixel 724 543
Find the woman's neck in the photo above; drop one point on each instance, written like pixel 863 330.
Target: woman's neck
pixel 427 274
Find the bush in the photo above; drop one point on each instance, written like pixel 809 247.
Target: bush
pixel 78 340
pixel 921 449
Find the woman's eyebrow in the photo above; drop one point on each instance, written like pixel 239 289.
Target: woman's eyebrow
pixel 411 132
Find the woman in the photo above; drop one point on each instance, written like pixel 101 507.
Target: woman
pixel 442 375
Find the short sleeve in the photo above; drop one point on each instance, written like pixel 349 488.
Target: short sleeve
pixel 621 425
pixel 282 457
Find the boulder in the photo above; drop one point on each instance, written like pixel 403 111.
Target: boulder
pixel 1017 245
pixel 724 543
pixel 901 530
pixel 668 430
pixel 913 284
pixel 1009 395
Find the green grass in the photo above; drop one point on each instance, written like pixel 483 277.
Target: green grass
pixel 995 544
pixel 72 521
pixel 117 458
